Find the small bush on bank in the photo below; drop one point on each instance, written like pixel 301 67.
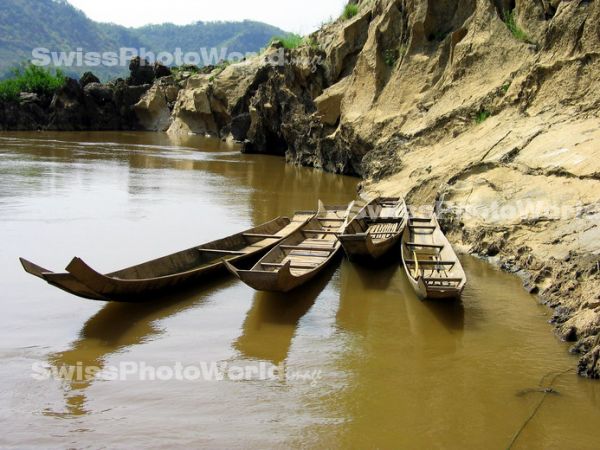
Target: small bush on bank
pixel 511 24
pixel 350 10
pixel 30 78
pixel 289 41
pixel 482 116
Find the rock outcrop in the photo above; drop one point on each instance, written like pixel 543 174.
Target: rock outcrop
pixel 155 108
pixel 88 104
pixel 488 107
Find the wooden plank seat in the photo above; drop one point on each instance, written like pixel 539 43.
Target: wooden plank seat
pixel 320 232
pixel 422 227
pixel 431 263
pixel 307 248
pixel 292 266
pixel 416 244
pixel 296 253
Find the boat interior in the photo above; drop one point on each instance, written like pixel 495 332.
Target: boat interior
pixel 429 257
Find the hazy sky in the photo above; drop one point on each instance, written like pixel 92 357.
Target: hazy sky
pixel 301 16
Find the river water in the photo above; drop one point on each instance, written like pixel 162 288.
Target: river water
pixel 369 365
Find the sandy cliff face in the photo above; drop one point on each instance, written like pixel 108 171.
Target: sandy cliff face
pixel 489 106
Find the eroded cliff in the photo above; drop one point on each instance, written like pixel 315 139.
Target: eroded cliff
pixel 489 108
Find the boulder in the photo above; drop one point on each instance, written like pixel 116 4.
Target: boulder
pixel 67 110
pixel 154 109
pixel 88 78
pixel 192 113
pixel 240 125
pixel 161 71
pixel 100 93
pixel 330 101
pixel 29 97
pixel 141 72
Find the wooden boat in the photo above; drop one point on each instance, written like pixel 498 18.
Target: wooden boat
pixel 301 256
pixel 141 282
pixel 431 264
pixel 376 229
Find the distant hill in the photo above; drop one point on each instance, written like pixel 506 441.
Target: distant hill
pixel 58 26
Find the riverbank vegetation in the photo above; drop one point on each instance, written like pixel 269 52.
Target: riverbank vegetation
pixel 289 41
pixel 32 79
pixel 511 24
pixel 350 10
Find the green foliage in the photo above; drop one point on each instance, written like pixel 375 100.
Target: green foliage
pixel 390 57
pixel 289 41
pixel 511 24
pixel 9 90
pixel 506 86
pixel 185 68
pixel 482 116
pixel 350 10
pixel 32 79
pixel 312 43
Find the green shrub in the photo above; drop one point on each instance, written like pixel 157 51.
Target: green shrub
pixel 511 24
pixel 289 41
pixel 482 116
pixel 30 78
pixel 9 90
pixel 390 57
pixel 185 68
pixel 350 10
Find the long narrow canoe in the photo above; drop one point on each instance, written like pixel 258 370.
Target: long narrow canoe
pixel 141 282
pixel 376 229
pixel 430 262
pixel 301 256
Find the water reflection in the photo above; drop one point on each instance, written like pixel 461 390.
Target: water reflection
pixel 117 327
pixel 48 162
pixel 272 321
pixel 363 289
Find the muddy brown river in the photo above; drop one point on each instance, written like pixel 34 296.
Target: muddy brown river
pixel 353 360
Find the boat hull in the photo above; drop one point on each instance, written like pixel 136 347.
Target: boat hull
pixel 63 281
pixel 300 257
pixel 436 274
pixel 375 230
pixel 282 281
pixel 361 248
pixel 173 272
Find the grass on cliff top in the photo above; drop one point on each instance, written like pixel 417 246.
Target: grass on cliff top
pixel 34 79
pixel 350 10
pixel 511 24
pixel 289 41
